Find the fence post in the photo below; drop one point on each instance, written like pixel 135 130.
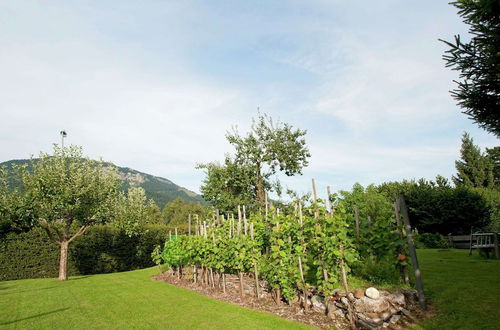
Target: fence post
pixel 497 248
pixel 413 252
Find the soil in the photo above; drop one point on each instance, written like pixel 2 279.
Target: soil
pixel 266 302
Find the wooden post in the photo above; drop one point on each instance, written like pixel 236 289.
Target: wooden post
pixel 255 270
pixel 330 205
pixel 315 197
pixel 300 215
pixel 497 248
pixel 404 269
pixel 470 243
pixel 169 235
pixel 239 220
pixel 189 225
pixel 413 252
pixel 175 232
pixel 245 222
pixel 356 217
pixel 267 207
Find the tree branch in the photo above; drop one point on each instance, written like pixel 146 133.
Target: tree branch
pixel 46 227
pixel 82 230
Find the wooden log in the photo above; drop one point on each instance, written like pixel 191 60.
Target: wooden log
pixel 413 253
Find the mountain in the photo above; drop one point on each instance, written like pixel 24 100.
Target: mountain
pixel 159 189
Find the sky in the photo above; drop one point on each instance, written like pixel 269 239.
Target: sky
pixel 155 85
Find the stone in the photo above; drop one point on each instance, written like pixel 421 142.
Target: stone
pixel 406 312
pixel 359 293
pixel 350 296
pixel 372 293
pixel 318 302
pixel 344 301
pixel 339 313
pixel 395 318
pixel 397 299
pixel 373 322
pixel 331 309
pixel 386 315
pixel 368 305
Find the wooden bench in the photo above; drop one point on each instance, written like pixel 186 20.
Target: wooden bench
pixel 485 241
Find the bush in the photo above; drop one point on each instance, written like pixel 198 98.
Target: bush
pixel 378 272
pixel 102 249
pixel 431 241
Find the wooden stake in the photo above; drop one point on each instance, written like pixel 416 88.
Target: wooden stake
pixel 404 269
pixel 356 217
pixel 413 252
pixel 245 222
pixel 315 197
pixel 267 207
pixel 330 205
pixel 240 274
pixel 300 214
pixel 239 220
pixel 189 225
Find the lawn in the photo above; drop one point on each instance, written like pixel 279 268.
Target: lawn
pixel 128 300
pixel 464 290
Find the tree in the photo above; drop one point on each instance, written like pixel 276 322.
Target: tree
pixel 475 169
pixel 177 211
pixel 65 190
pixel 227 185
pixel 478 62
pixel 133 210
pixel 494 154
pixel 269 147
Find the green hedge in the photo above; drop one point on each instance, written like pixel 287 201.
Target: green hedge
pixel 102 249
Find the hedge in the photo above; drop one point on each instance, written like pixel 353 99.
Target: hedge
pixel 102 249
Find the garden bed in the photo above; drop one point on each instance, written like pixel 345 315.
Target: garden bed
pixel 396 310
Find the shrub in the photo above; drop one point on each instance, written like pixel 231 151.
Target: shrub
pixel 378 271
pixel 431 241
pixel 103 249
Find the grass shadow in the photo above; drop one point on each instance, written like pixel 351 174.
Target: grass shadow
pixel 78 278
pixel 34 316
pixel 17 292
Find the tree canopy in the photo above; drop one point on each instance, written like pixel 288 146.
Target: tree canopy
pixel 66 190
pixel 478 62
pixel 269 147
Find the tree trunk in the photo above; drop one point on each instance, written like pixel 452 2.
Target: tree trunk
pixel 63 261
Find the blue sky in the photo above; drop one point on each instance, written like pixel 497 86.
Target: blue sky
pixel 154 85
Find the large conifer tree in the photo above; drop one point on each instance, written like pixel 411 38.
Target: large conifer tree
pixel 475 169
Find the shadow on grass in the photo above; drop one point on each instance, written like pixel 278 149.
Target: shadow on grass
pixel 35 316
pixel 17 292
pixel 78 278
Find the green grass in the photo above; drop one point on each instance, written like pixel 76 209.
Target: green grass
pixel 128 300
pixel 464 291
